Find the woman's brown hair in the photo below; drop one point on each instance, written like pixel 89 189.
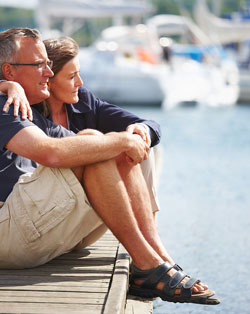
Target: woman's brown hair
pixel 60 51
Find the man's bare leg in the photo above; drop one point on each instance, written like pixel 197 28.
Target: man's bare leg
pixel 139 197
pixel 108 196
pixel 141 205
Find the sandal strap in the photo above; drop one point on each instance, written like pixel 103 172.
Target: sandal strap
pixel 186 289
pixel 177 267
pixel 190 283
pixel 173 283
pixel 176 279
pixel 155 277
pixel 151 276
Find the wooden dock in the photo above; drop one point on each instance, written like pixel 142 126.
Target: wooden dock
pixel 93 281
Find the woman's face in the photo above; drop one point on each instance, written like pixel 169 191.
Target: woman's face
pixel 64 85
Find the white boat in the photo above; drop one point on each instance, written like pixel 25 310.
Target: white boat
pixel 192 83
pixel 124 66
pixel 225 31
pixel 201 73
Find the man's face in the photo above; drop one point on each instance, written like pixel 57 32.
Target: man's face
pixel 32 78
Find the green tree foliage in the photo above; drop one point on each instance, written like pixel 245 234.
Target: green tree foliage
pixel 176 6
pixel 230 6
pixel 165 6
pixel 12 17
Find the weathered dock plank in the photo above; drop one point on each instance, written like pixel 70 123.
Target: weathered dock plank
pixel 116 300
pixel 42 308
pixel 138 306
pixel 76 282
pixel 93 280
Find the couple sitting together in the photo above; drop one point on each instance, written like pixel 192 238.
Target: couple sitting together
pixel 72 166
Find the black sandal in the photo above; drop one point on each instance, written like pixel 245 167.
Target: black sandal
pixel 153 276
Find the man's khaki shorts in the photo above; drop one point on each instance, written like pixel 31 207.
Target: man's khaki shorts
pixel 46 214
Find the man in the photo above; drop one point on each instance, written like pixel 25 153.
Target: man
pixel 77 186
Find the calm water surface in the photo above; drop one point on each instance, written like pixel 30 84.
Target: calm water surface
pixel 204 193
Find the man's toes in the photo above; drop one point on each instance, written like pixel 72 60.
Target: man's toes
pixel 200 287
pixel 195 289
pixel 200 284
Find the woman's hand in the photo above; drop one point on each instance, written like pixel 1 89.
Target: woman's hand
pixel 17 97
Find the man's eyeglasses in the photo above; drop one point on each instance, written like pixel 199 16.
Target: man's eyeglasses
pixel 40 65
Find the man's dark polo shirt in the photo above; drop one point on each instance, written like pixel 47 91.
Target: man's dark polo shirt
pixel 12 165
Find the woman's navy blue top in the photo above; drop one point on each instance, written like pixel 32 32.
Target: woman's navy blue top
pixel 92 113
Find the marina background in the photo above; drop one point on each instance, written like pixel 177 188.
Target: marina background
pixel 204 173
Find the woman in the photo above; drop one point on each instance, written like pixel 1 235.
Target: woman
pixel 74 107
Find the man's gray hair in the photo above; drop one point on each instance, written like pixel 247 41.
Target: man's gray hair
pixel 8 43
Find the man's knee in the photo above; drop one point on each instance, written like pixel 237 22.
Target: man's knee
pixel 100 165
pixel 100 170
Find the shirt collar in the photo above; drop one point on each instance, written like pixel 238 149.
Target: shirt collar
pixel 82 107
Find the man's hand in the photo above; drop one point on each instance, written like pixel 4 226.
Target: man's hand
pixel 140 129
pixel 138 151
pixel 17 97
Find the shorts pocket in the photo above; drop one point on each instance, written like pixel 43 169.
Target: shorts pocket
pixel 46 201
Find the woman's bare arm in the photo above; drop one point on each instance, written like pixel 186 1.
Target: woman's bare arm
pixel 17 97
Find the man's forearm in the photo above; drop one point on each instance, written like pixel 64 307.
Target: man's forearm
pixel 78 150
pixel 88 149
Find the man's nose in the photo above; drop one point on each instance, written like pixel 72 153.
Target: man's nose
pixel 48 71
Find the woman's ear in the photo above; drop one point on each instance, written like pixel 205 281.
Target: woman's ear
pixel 8 72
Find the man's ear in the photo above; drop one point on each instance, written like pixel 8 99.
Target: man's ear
pixel 8 71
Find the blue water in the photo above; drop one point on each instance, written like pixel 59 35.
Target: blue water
pixel 204 195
